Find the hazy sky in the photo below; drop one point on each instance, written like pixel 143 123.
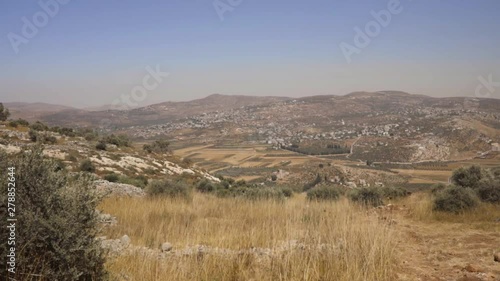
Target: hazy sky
pixel 93 52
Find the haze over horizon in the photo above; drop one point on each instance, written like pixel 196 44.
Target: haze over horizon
pixel 91 53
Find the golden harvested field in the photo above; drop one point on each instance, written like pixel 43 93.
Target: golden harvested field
pixel 213 158
pixel 423 175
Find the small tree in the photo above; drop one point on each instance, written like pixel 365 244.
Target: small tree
pixel 468 177
pixel 4 112
pixel 366 196
pixel 455 199
pixel 56 222
pixel 100 145
pixel 87 166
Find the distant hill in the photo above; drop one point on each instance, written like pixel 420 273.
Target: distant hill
pixel 34 111
pixel 352 103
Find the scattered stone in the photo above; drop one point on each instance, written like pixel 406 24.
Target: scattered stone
pixel 496 257
pixel 106 219
pixel 125 240
pixel 473 268
pixel 166 247
pixel 118 189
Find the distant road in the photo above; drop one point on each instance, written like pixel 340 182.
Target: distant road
pixel 352 146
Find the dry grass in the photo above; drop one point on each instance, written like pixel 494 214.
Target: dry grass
pixel 364 246
pixel 420 207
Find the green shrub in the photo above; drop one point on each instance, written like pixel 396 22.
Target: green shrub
pixel 366 196
pixel 205 186
pixel 13 124
pixel 87 166
pixel 392 192
pixel 468 177
pixel 455 199
pixel 111 177
pixel 260 193
pixel 139 181
pixel 287 191
pixel 39 126
pixel 56 221
pixel 252 193
pixel 223 193
pixel 436 188
pixel 41 137
pixel 118 140
pixel 489 192
pixel 168 188
pixel 33 135
pixel 4 112
pixel 323 193
pixel 22 122
pixel 312 184
pixel 100 145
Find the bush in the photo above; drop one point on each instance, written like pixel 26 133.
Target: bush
pixel 148 148
pixel 223 193
pixel 111 177
pixel 312 184
pixel 4 112
pixel 436 188
pixel 140 181
pixel 39 126
pixel 393 192
pixel 43 138
pixel 455 199
pixel 22 122
pixel 468 177
pixel 252 193
pixel 323 193
pixel 168 188
pixel 100 145
pixel 489 192
pixel 205 186
pixel 118 140
pixel 56 221
pixel 287 191
pixel 366 196
pixel 13 124
pixel 260 193
pixel 87 166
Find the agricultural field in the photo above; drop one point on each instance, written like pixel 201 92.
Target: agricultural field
pixel 218 157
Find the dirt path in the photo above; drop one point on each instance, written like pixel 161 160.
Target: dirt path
pixel 446 251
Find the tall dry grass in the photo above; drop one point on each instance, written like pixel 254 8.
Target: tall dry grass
pixel 364 246
pixel 420 207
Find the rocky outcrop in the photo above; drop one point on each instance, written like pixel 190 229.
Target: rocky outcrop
pixel 118 189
